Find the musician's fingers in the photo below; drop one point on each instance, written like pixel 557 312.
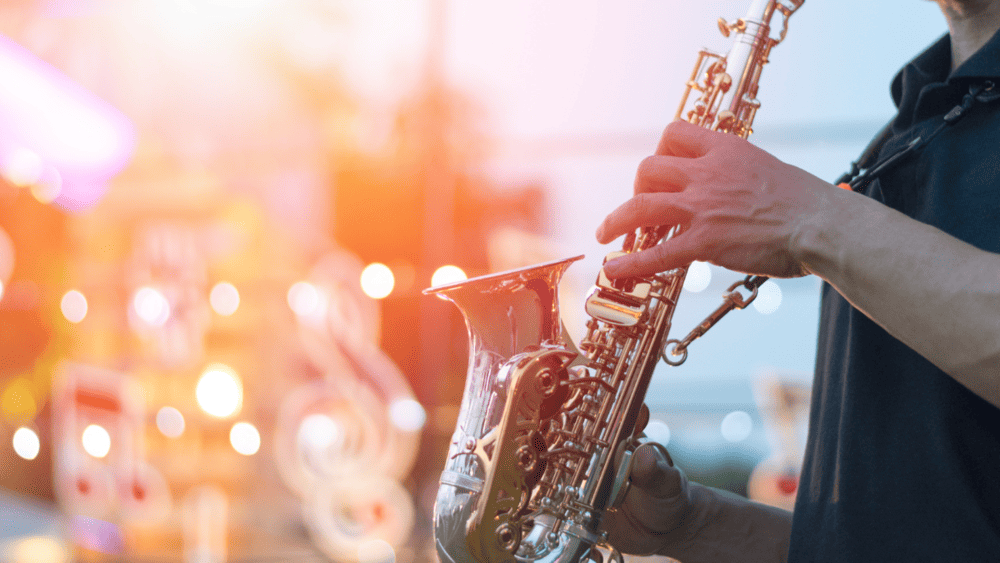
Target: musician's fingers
pixel 660 173
pixel 674 253
pixel 642 419
pixel 643 210
pixel 683 139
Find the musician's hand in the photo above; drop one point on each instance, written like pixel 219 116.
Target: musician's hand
pixel 657 510
pixel 740 207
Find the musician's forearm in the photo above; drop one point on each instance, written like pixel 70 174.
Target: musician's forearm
pixel 933 292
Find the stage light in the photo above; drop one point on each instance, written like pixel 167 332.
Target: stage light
pixel 96 441
pixel 736 426
pixel 447 274
pixel 304 299
pixel 224 298
pixel 151 306
pixel 768 298
pixel 26 443
pixel 377 280
pixel 407 415
pixel 170 422
pixel 245 438
pixel 698 277
pixel 73 306
pixel 219 391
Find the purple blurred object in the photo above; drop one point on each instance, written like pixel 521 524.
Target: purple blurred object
pixel 53 131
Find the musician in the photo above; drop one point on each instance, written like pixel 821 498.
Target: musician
pixel 903 457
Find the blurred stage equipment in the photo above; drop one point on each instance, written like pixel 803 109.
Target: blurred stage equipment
pixel 783 402
pixel 531 467
pixel 345 441
pixel 100 469
pixel 58 140
pixel 168 298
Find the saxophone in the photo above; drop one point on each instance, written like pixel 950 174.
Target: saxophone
pixel 546 430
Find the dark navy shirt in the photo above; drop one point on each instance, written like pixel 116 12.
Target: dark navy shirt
pixel 902 462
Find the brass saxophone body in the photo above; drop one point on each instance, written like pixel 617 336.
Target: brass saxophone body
pixel 546 430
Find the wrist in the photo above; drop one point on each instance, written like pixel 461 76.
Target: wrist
pixel 819 240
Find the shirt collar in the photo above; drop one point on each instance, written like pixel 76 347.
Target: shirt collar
pixel 934 65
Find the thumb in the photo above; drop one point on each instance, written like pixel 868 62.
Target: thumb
pixel 653 471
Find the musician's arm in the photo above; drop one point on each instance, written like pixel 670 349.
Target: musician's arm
pixel 665 514
pixel 935 293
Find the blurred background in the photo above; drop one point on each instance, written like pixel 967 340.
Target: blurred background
pixel 217 217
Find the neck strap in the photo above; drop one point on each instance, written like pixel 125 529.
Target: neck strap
pixel 864 170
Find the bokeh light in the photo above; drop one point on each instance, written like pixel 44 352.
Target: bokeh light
pixel 170 422
pixel 447 274
pixel 96 441
pixel 224 298
pixel 304 299
pixel 219 392
pixel 407 415
pixel 18 402
pixel 73 306
pixel 49 185
pixel 319 431
pixel 736 426
pixel 151 306
pixel 377 280
pixel 658 431
pixel 768 298
pixel 245 438
pixel 22 167
pixel 26 443
pixel 698 277
pixel 37 549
